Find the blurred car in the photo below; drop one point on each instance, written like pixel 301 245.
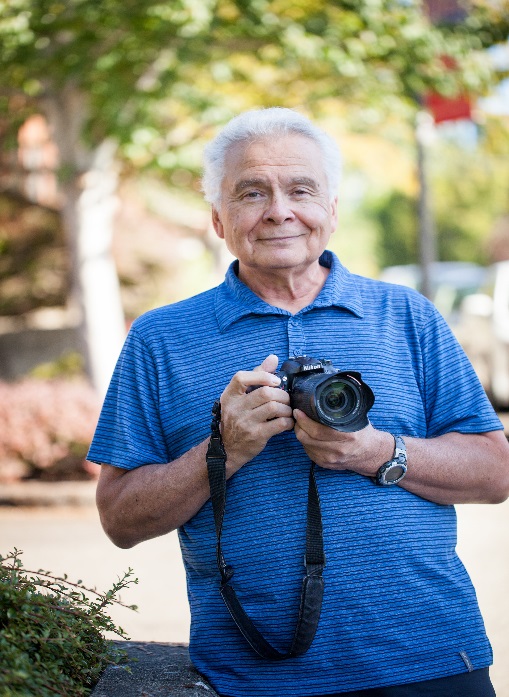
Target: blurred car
pixel 483 331
pixel 451 283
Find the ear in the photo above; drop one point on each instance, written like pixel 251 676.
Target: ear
pixel 334 213
pixel 216 222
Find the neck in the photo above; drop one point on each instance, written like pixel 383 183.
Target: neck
pixel 289 289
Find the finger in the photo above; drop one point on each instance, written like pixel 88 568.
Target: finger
pixel 301 435
pixel 262 375
pixel 269 364
pixel 312 430
pixel 265 394
pixel 275 426
pixel 305 423
pixel 244 379
pixel 273 410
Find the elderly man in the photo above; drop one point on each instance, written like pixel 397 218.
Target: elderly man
pixel 398 615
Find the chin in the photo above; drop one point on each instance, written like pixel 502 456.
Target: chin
pixel 281 261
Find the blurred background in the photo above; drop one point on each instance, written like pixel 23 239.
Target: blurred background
pixel 104 112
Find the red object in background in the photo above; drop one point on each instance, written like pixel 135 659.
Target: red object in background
pixel 446 109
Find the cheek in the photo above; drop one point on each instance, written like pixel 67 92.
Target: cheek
pixel 242 224
pixel 317 218
pixel 317 209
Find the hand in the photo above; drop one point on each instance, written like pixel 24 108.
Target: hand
pixel 361 451
pixel 248 420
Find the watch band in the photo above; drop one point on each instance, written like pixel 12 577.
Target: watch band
pixel 393 471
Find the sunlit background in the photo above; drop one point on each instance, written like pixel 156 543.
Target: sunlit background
pixel 104 112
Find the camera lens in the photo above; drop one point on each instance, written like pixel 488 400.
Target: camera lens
pixel 337 399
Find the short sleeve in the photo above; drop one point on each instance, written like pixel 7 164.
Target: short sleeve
pixel 454 397
pixel 129 432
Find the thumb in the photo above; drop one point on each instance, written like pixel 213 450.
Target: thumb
pixel 269 364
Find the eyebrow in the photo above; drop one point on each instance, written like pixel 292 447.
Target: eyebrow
pixel 248 183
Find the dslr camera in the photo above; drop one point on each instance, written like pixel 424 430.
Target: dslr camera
pixel 335 398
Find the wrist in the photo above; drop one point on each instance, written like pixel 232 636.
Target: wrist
pixel 393 471
pixel 383 453
pixel 369 459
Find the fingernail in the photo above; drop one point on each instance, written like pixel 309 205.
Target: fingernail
pixel 275 380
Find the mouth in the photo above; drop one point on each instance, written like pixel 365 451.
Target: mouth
pixel 281 238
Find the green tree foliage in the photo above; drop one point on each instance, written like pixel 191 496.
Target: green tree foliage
pixel 396 218
pixel 155 74
pixel 470 186
pixel 144 82
pixel 52 632
pixel 470 192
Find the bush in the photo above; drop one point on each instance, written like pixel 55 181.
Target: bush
pixel 51 632
pixel 45 429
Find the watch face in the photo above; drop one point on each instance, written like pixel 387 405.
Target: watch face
pixel 394 473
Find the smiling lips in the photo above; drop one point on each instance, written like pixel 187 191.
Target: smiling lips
pixel 283 238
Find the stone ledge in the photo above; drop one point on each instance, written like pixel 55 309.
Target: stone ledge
pixel 35 493
pixel 159 670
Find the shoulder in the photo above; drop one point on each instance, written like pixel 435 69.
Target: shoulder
pixel 176 315
pixel 383 289
pixel 397 301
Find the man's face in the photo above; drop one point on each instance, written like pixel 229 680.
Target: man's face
pixel 275 210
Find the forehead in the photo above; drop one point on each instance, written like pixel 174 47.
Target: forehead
pixel 275 156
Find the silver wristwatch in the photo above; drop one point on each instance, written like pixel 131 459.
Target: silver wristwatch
pixel 392 472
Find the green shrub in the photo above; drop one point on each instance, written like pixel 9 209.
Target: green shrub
pixel 52 632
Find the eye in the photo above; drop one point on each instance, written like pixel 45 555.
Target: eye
pixel 252 195
pixel 301 192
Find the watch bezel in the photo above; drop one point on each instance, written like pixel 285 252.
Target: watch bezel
pixel 399 459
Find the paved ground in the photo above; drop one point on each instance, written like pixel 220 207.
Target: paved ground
pixel 67 539
pixel 157 670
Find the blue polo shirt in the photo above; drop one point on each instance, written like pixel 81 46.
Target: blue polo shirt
pixel 398 606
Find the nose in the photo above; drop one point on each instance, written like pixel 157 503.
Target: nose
pixel 278 211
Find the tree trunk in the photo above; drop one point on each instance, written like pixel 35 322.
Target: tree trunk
pixel 427 233
pixel 88 181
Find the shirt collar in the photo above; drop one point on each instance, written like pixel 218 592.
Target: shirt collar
pixel 235 300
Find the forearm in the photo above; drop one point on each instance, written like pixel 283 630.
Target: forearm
pixel 452 468
pixel 152 500
pixel 459 468
pixel 149 501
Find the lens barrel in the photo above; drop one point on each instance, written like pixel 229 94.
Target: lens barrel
pixel 338 400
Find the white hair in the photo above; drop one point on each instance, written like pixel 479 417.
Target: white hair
pixel 258 124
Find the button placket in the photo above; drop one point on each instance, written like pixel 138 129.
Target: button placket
pixel 296 339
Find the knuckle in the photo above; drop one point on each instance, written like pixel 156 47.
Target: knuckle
pixel 266 393
pixel 273 409
pixel 237 378
pixel 300 435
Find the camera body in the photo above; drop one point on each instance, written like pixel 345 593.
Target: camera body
pixel 335 398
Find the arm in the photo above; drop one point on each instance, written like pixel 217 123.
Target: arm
pixel 149 501
pixel 452 468
pixel 142 503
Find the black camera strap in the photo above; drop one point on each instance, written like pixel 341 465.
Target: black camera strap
pixel 312 584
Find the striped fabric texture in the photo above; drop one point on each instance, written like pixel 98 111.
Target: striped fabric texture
pixel 399 606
